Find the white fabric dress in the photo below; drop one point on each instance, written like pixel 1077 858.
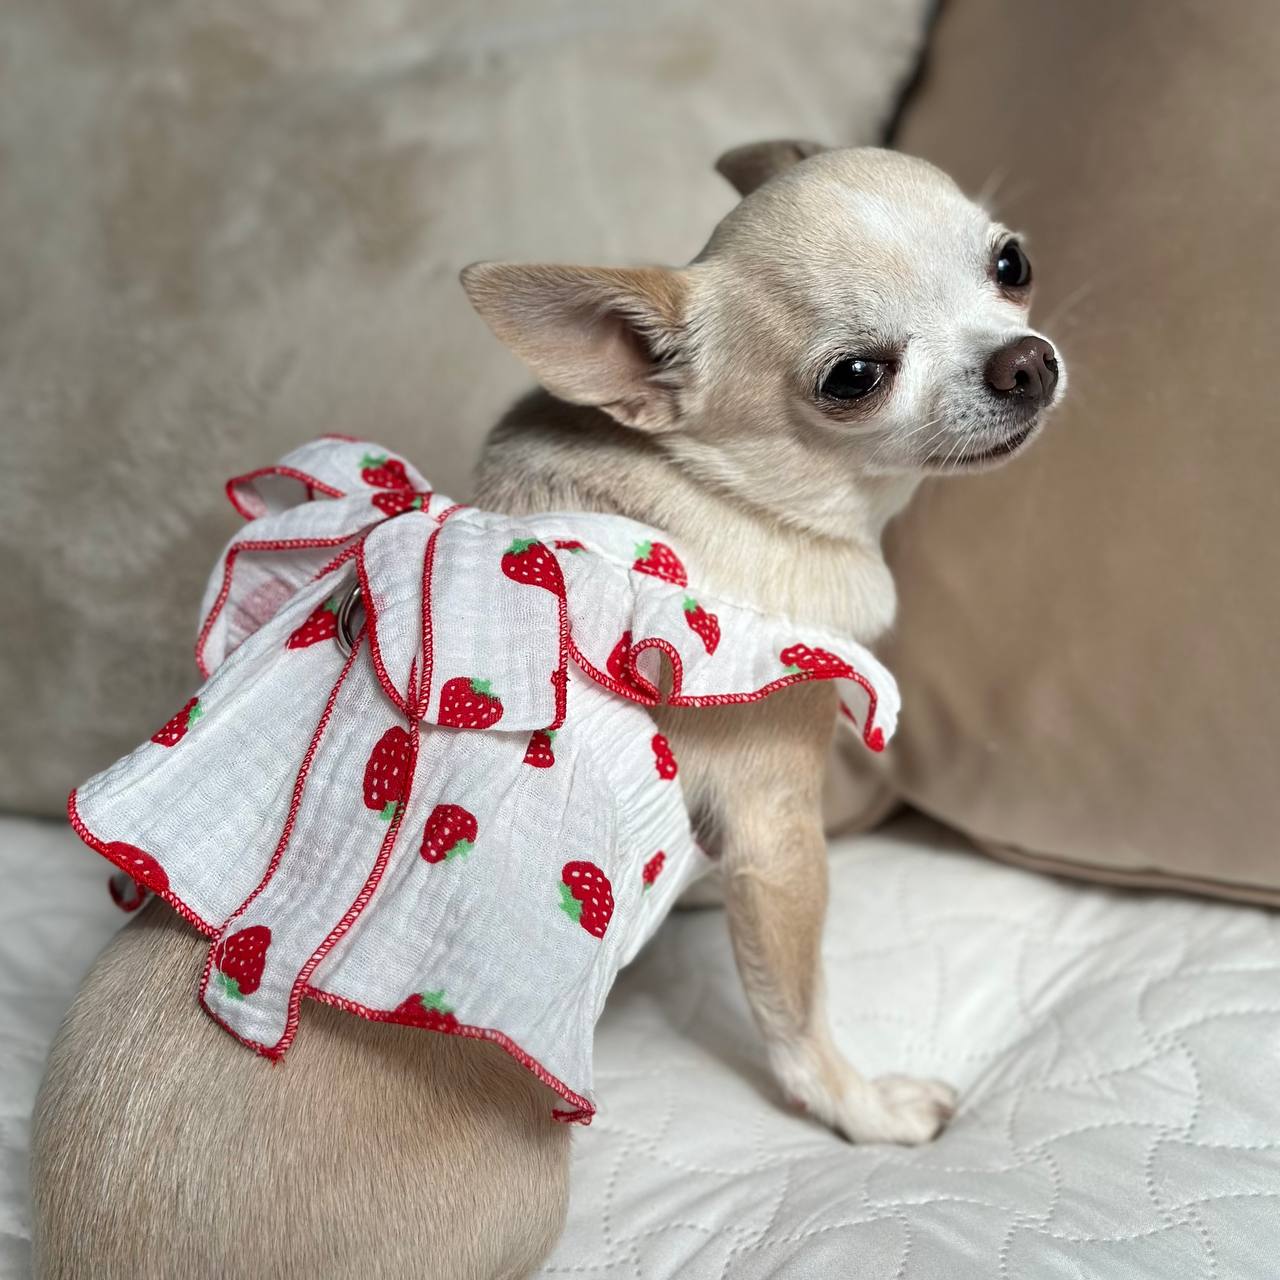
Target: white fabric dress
pixel 468 823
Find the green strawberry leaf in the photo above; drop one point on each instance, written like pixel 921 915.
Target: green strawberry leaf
pixel 333 604
pixel 792 669
pixel 460 849
pixel 194 714
pixel 648 884
pixel 371 460
pixel 644 550
pixel 569 904
pixel 434 1000
pixel 389 810
pixel 519 545
pixel 551 734
pixel 416 504
pixel 481 687
pixel 230 987
pixel 691 605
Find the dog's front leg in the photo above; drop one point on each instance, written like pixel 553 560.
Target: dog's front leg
pixel 775 880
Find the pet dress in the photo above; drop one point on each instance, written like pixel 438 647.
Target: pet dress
pixel 456 814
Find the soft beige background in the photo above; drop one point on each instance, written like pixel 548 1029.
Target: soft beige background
pixel 1089 639
pixel 225 228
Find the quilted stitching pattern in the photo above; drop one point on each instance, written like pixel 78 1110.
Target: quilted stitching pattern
pixel 1117 1056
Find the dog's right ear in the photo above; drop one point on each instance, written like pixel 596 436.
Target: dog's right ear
pixel 753 165
pixel 603 336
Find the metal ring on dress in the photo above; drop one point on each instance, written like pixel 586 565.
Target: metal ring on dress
pixel 346 611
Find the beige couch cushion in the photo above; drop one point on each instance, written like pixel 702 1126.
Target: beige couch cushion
pixel 1087 641
pixel 226 228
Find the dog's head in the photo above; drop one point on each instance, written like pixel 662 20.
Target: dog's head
pixel 855 316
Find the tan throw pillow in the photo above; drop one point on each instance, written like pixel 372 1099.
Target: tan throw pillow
pixel 1089 639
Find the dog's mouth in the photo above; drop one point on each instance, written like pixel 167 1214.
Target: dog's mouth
pixel 983 457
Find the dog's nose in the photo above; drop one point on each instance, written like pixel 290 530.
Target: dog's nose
pixel 1027 368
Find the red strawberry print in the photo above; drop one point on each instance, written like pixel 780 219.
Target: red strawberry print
pixel 467 703
pixel 570 544
pixel 395 501
pixel 587 896
pixel 426 1009
pixel 139 865
pixel 450 833
pixel 706 625
pixel 539 753
pixel 321 624
pixel 240 959
pixel 799 657
pixel 176 729
pixel 663 760
pixel 383 472
pixel 658 559
pixel 528 561
pixel 386 774
pixel 653 869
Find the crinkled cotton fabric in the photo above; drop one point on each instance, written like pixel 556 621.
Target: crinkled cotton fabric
pixel 456 812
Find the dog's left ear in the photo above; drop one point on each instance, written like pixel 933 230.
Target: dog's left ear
pixel 601 336
pixel 753 165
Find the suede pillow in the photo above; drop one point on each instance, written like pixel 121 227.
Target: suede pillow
pixel 1087 641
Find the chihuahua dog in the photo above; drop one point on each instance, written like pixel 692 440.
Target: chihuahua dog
pixel 853 325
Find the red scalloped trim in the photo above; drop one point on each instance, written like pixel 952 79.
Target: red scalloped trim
pixel 648 694
pixel 339 435
pixel 312 484
pixel 286 832
pixel 233 552
pixel 375 649
pixel 583 1112
pixel 100 846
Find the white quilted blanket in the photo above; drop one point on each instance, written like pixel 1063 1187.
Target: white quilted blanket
pixel 1119 1058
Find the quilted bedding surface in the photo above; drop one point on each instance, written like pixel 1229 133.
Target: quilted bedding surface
pixel 1118 1056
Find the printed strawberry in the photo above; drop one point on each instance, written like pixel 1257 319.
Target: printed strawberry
pixel 321 624
pixel 138 865
pixel 799 657
pixel 570 544
pixel 467 703
pixel 426 1009
pixel 450 833
pixel 706 625
pixel 587 896
pixel 176 729
pixel 393 502
pixel 383 472
pixel 528 561
pixel 240 959
pixel 658 559
pixel 663 760
pixel 653 869
pixel 539 753
pixel 386 773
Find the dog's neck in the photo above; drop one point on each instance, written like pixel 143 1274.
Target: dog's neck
pixel 546 455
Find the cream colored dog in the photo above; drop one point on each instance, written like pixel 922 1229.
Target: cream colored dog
pixel 854 324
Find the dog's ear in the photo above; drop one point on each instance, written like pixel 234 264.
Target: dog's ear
pixel 602 336
pixel 753 165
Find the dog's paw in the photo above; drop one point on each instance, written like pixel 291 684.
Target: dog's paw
pixel 898 1109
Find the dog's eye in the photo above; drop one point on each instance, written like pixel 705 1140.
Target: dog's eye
pixel 852 379
pixel 1013 270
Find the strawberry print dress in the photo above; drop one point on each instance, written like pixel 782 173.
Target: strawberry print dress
pixel 421 782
